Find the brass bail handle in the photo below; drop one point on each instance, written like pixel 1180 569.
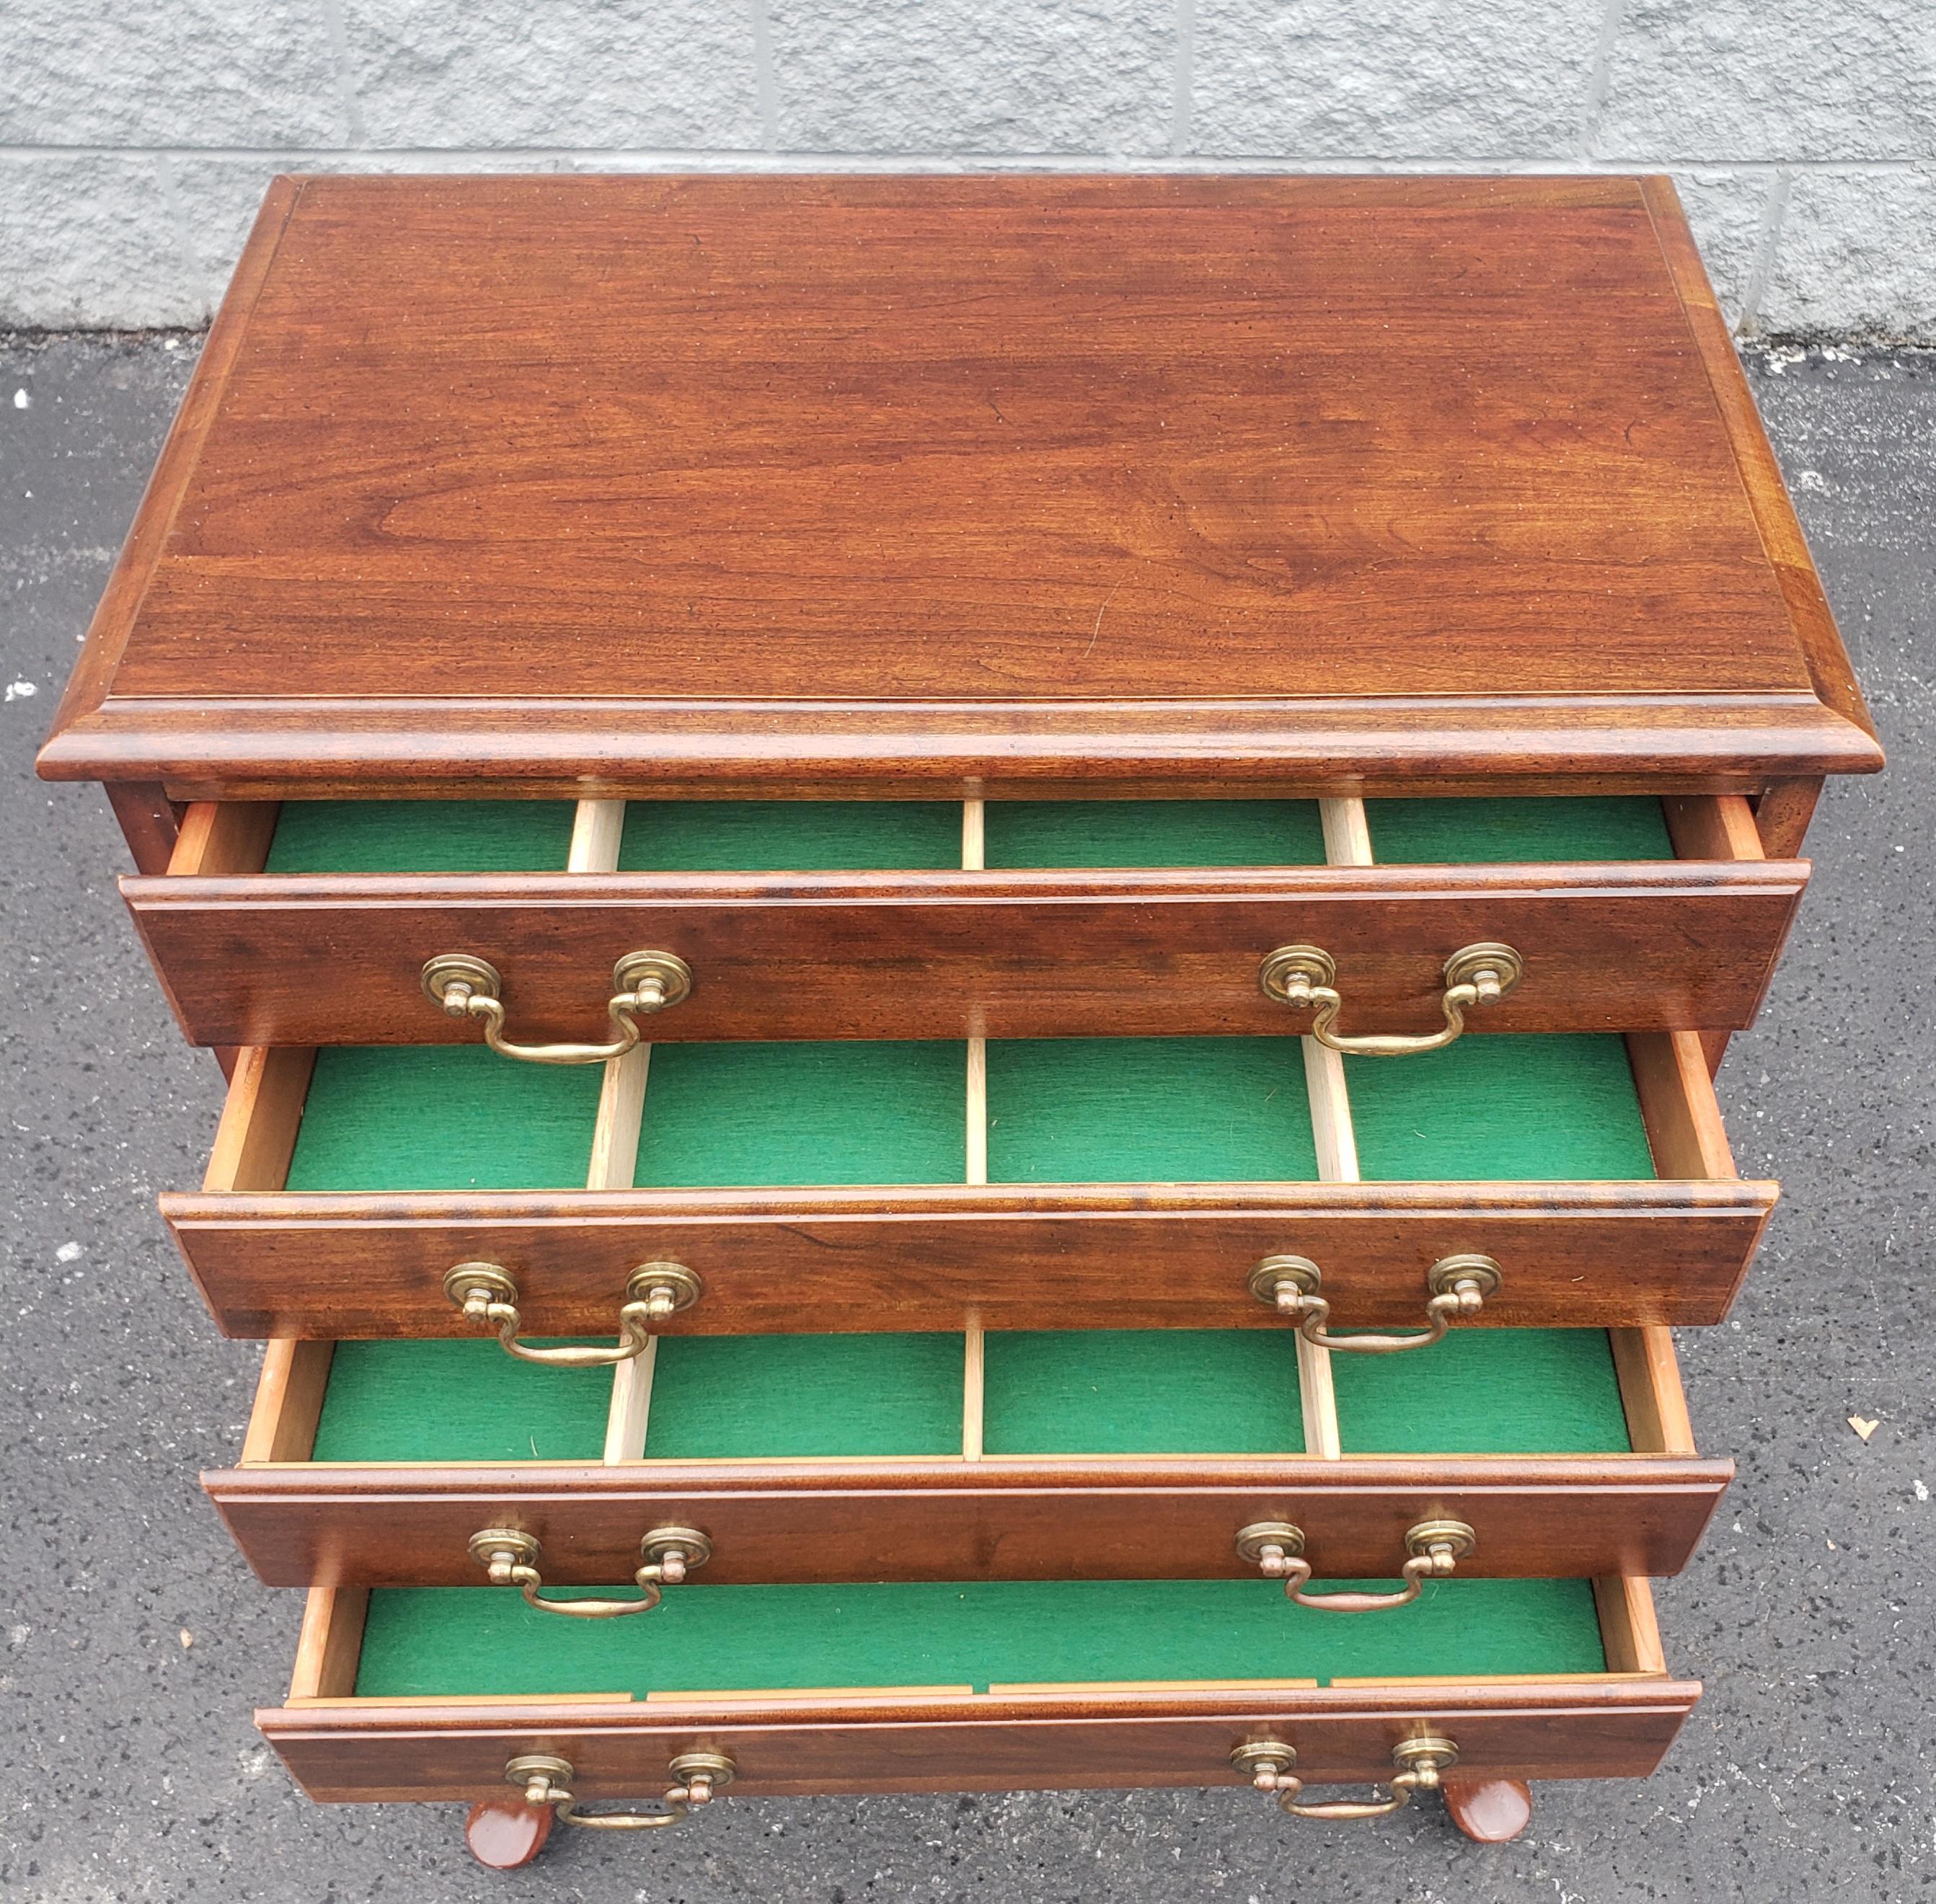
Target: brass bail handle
pixel 1457 1289
pixel 509 1557
pixel 1418 1765
pixel 488 1293
pixel 1305 976
pixel 462 985
pixel 1433 1550
pixel 698 1777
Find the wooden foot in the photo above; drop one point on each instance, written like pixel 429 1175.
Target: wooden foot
pixel 1489 1810
pixel 505 1832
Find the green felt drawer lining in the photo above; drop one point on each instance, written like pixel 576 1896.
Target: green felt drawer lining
pixel 427 1641
pixel 853 836
pixel 1502 832
pixel 1225 1110
pixel 1195 1391
pixel 742 1398
pixel 1485 1392
pixel 1068 833
pixel 1562 1106
pixel 791 835
pixel 1159 1110
pixel 845 1112
pixel 1141 1391
pixel 443 1117
pixel 457 1401
pixel 421 836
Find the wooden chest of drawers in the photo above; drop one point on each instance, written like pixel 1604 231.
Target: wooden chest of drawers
pixel 970 934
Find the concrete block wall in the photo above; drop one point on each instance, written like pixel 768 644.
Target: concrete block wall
pixel 135 140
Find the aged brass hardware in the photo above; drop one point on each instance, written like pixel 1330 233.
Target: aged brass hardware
pixel 668 1554
pixel 1458 1286
pixel 1304 976
pixel 1419 1762
pixel 462 985
pixel 487 1293
pixel 698 1777
pixel 1434 1549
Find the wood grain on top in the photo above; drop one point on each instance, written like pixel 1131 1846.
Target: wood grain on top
pixel 650 484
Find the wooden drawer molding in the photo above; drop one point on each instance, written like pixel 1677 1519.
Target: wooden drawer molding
pixel 337 1265
pixel 976 1516
pixel 831 1522
pixel 252 958
pixel 1617 1724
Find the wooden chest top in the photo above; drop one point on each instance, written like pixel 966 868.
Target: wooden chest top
pixel 646 484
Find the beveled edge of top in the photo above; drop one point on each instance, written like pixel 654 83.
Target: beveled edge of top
pixel 223 748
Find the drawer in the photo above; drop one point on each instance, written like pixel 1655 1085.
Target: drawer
pixel 845 1186
pixel 311 923
pixel 1028 1455
pixel 429 1695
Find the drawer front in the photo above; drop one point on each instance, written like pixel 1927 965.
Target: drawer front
pixel 310 959
pixel 1589 1255
pixel 1578 1517
pixel 429 1695
pixel 1056 1457
pixel 345 1263
pixel 1618 1727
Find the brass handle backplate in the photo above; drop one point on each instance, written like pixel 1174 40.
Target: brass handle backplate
pixel 1418 1765
pixel 462 985
pixel 1456 1288
pixel 509 1557
pixel 487 1293
pixel 1306 976
pixel 1433 1550
pixel 698 1777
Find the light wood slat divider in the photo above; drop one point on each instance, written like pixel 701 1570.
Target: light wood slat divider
pixel 1630 1630
pixel 973 1347
pixel 596 828
pixel 224 836
pixel 1348 832
pixel 330 1644
pixel 621 1104
pixel 615 1155
pixel 974 853
pixel 631 1407
pixel 289 1400
pixel 1347 842
pixel 974 858
pixel 1651 1390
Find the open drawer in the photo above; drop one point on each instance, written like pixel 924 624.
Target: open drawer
pixel 849 1185
pixel 462 1695
pixel 314 923
pixel 1038 1455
